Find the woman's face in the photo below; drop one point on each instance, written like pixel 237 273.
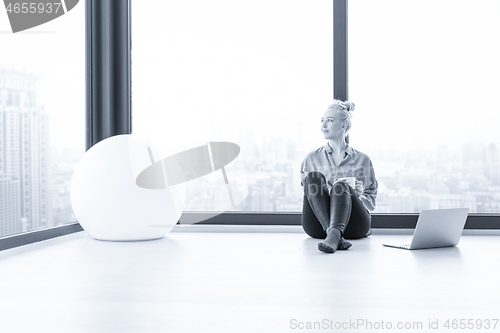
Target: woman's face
pixel 331 125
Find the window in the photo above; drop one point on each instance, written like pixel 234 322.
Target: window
pixel 425 78
pixel 256 73
pixel 52 83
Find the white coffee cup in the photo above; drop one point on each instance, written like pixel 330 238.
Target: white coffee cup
pixel 349 180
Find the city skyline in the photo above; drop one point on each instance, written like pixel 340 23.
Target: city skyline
pixel 24 155
pixel 408 181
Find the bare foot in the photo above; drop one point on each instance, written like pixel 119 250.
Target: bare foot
pixel 331 243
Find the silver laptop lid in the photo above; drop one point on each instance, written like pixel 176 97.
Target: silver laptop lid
pixel 439 228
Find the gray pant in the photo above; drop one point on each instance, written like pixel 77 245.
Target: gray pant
pixel 339 208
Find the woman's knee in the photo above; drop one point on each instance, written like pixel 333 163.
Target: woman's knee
pixel 314 176
pixel 340 189
pixel 315 184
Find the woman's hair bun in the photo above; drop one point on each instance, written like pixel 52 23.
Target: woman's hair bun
pixel 348 106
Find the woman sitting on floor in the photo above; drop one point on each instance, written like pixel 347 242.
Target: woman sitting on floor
pixel 333 210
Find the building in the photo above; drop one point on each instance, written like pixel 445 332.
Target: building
pixel 472 157
pixel 10 212
pixel 24 151
pixel 446 201
pixel 491 164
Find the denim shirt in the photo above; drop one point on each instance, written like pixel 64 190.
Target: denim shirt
pixel 355 164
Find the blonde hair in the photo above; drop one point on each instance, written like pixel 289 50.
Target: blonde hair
pixel 345 109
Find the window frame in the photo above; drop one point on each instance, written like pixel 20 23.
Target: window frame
pixel 109 112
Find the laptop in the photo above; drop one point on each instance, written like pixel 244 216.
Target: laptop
pixel 437 228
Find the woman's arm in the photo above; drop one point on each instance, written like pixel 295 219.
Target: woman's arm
pixel 369 194
pixel 303 173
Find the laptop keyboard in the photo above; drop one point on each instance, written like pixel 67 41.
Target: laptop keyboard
pixel 404 246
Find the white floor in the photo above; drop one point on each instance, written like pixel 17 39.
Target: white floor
pixel 246 279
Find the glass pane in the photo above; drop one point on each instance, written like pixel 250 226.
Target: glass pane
pixel 425 78
pixel 255 73
pixel 42 115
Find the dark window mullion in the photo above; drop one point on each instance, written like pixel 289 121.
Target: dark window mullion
pixel 340 78
pixel 108 49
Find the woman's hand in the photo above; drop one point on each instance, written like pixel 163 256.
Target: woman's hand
pixel 359 188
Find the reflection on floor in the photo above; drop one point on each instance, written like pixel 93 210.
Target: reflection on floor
pixel 245 279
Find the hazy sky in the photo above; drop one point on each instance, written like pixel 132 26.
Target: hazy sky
pixel 421 72
pixel 55 51
pixel 425 72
